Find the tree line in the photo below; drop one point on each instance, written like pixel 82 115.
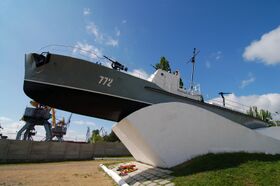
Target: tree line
pixel 96 136
pixel 263 115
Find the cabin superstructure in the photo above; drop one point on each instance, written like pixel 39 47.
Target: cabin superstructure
pixel 170 82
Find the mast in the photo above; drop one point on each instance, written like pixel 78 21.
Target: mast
pixel 193 66
pixel 192 60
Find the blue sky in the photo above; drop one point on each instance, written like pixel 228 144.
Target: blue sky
pixel 238 42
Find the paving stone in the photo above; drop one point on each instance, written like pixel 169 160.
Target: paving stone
pixel 143 179
pixel 170 184
pixel 132 183
pixel 138 179
pixel 147 182
pixel 164 176
pixel 144 175
pixel 130 180
pixel 136 184
pixel 164 182
pixel 134 173
pixel 150 176
pixel 152 184
pixel 164 170
pixel 155 178
pixel 158 180
pixel 137 176
pixel 160 174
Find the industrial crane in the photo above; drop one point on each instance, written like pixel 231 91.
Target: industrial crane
pixel 1 135
pixel 59 128
pixel 39 115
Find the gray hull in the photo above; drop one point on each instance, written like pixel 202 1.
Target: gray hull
pixel 90 89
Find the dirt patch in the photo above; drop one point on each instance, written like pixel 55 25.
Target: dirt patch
pixel 63 173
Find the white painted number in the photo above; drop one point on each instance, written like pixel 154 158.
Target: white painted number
pixel 105 81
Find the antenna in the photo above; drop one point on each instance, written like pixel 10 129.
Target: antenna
pixel 222 95
pixel 69 119
pixel 88 134
pixel 154 67
pixel 192 60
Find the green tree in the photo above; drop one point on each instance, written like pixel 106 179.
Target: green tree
pixel 262 114
pixel 112 137
pixel 265 115
pixel 95 137
pixel 163 64
pixel 253 111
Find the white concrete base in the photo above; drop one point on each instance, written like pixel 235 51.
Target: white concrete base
pixel 114 176
pixel 168 134
pixel 273 132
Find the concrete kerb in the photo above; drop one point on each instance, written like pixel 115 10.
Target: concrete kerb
pixel 114 176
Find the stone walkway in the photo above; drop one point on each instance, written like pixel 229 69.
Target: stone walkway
pixel 145 175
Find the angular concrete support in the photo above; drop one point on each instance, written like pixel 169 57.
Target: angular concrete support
pixel 168 134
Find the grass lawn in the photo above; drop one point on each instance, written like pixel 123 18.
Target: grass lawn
pixel 229 169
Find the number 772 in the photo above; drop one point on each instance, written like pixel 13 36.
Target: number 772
pixel 105 81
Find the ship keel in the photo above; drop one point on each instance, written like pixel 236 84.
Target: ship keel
pixel 81 101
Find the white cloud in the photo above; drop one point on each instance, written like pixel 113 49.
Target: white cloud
pixel 270 102
pixel 10 127
pixel 87 50
pixel 218 55
pixel 4 119
pixel 140 73
pixel 215 56
pixel 73 135
pixel 265 49
pixel 93 29
pixel 86 11
pixel 212 58
pixel 92 52
pixel 118 32
pixel 103 38
pixel 84 123
pixel 124 21
pixel 112 42
pixel 251 78
pixel 107 63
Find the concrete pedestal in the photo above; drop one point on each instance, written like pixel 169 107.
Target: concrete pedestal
pixel 168 134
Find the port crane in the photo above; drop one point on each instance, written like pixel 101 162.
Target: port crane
pixel 1 135
pixel 39 114
pixel 59 128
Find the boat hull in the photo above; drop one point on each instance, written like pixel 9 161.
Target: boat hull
pixel 81 102
pixel 91 89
